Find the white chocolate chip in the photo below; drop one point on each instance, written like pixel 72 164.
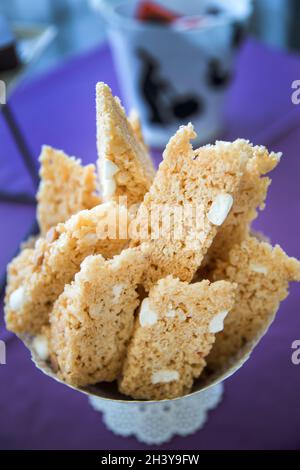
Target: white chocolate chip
pixel 217 322
pixel 258 268
pixel 147 316
pixel 164 376
pixel 109 169
pixel 181 314
pixel 117 291
pixel 40 344
pixel 220 208
pixel 16 299
pixel 223 143
pixel 109 188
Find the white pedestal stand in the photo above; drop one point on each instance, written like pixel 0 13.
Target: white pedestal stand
pixel 157 423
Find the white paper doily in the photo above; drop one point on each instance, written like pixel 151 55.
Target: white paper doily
pixel 156 423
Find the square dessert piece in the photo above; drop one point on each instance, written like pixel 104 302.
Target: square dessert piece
pixel 93 318
pixel 189 200
pixel 124 164
pixel 66 187
pixel 173 334
pixel 262 274
pixel 56 259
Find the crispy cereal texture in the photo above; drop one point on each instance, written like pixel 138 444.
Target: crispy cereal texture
pixel 66 187
pixel 19 269
pixel 197 183
pixel 54 262
pixel 262 274
pixel 173 334
pixel 93 318
pixel 124 164
pixel 250 197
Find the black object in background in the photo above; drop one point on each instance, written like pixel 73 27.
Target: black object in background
pixel 8 53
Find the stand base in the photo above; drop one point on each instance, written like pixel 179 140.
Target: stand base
pixel 157 423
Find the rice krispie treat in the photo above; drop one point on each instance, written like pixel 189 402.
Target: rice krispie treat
pixel 173 334
pixel 124 165
pixel 197 188
pixel 56 259
pixel 262 274
pixel 66 188
pixel 93 318
pixel 250 197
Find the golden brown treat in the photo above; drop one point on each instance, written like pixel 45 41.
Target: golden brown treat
pixel 56 259
pixel 250 197
pixel 124 165
pixel 174 332
pixel 92 320
pixel 197 187
pixel 66 188
pixel 262 274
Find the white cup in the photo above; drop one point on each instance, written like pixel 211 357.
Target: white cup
pixel 176 73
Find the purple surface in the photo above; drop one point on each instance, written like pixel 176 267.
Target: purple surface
pixel 261 408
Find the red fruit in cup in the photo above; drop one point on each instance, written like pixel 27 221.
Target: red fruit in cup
pixel 152 12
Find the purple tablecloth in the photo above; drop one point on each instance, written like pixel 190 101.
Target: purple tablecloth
pixel 261 407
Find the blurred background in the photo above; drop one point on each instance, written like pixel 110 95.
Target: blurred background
pixel 47 33
pixel 276 22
